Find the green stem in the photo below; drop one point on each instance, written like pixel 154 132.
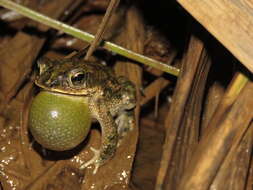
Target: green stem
pixel 87 37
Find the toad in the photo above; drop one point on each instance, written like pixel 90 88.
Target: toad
pixel 108 99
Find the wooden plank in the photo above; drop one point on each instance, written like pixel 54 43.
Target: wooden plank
pixel 230 21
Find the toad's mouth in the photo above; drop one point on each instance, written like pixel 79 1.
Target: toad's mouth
pixel 65 90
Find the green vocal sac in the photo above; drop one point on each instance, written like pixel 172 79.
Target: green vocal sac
pixel 59 122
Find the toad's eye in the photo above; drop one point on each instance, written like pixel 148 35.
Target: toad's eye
pixel 77 78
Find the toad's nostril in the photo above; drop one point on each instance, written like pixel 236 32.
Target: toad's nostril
pixel 52 83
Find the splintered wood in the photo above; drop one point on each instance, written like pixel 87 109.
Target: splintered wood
pixel 212 154
pixel 220 143
pixel 198 153
pixel 190 63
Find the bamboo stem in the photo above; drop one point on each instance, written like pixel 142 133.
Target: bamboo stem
pixel 87 37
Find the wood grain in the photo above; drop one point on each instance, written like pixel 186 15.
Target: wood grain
pixel 189 67
pixel 231 22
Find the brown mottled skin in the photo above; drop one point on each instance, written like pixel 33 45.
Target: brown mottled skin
pixel 109 97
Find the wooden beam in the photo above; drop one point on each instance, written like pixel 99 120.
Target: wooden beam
pixel 231 22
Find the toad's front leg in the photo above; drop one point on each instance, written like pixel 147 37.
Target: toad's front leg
pixel 108 146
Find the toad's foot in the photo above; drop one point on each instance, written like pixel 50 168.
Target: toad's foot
pixel 94 160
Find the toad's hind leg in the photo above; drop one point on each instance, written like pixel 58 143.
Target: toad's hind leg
pixel 109 135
